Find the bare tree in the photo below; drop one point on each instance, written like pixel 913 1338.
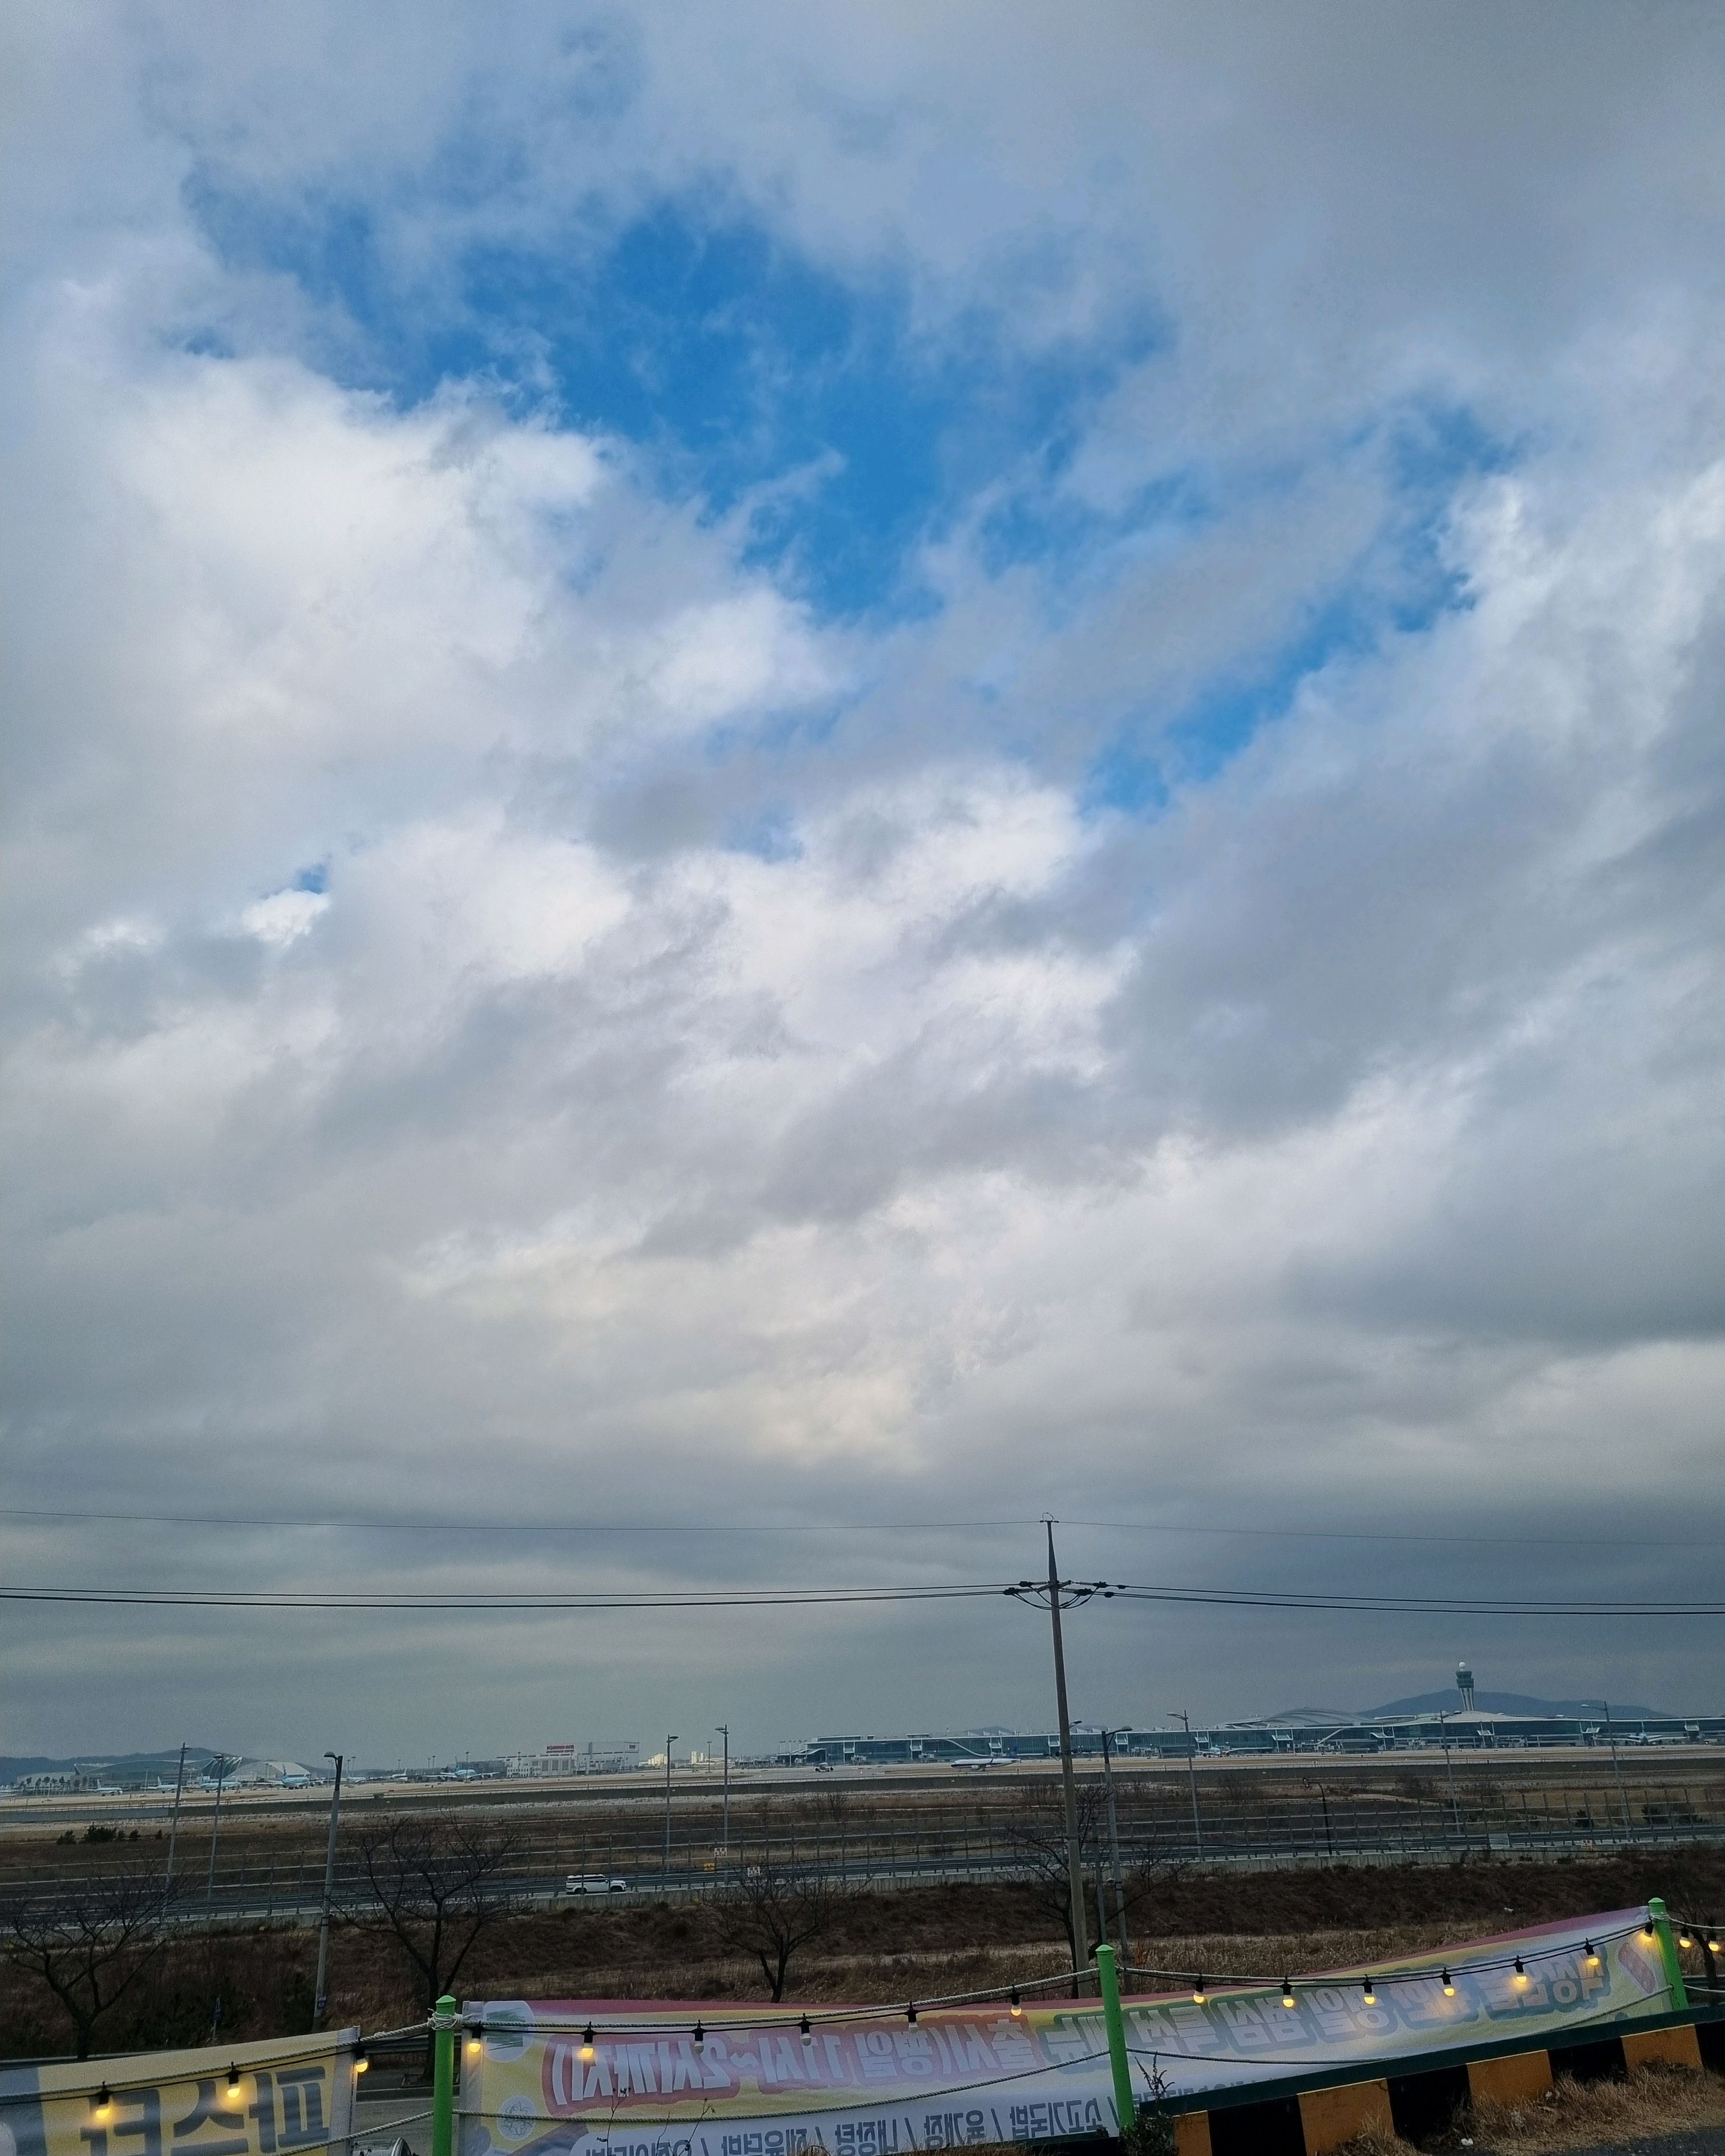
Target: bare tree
pixel 89 1940
pixel 770 1911
pixel 1036 1835
pixel 440 1885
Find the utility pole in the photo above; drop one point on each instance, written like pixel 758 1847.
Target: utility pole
pixel 723 1729
pixel 319 1997
pixel 1055 1594
pixel 1074 1862
pixel 1114 1854
pixel 1181 1715
pixel 665 1868
pixel 173 1832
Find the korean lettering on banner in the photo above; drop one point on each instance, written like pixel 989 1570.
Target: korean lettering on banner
pixel 867 2085
pixel 286 2100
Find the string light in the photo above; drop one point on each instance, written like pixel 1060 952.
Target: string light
pixel 362 2061
pixel 1016 2004
pixel 803 2031
pixel 233 2088
pixel 1521 1973
pixel 1449 1985
pixel 699 2036
pixel 1367 1992
pixel 1287 1991
pixel 104 2101
pixel 1590 1953
pixel 910 2014
pixel 1198 1988
pixel 587 2045
pixel 1712 1944
pixel 1647 1929
pixel 1684 1939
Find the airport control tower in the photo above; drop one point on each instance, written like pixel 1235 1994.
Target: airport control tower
pixel 1464 1685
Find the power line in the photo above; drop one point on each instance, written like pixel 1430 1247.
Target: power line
pixel 521 1527
pixel 1424 1604
pixel 590 1527
pixel 288 1598
pixel 785 1598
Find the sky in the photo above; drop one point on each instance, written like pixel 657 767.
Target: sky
pixel 782 784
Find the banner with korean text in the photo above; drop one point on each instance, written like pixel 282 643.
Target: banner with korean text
pixel 277 2099
pixel 633 2078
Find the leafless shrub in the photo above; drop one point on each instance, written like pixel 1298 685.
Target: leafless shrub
pixel 769 1910
pixel 89 1940
pixel 440 1884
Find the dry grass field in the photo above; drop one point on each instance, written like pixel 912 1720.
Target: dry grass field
pixel 921 1942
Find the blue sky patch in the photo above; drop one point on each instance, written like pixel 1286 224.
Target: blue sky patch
pixel 753 377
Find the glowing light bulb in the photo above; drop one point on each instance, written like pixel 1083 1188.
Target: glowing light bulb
pixel 233 2093
pixel 1449 1985
pixel 361 2063
pixel 587 2045
pixel 1684 1938
pixel 1368 1994
pixel 1287 1992
pixel 104 2101
pixel 1016 2004
pixel 1590 1953
pixel 1197 1989
pixel 1521 1973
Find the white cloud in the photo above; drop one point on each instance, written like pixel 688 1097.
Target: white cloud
pixel 734 1067
pixel 284 916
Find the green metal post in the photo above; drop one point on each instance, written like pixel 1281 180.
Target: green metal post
pixel 1661 1924
pixel 1108 1981
pixel 443 2078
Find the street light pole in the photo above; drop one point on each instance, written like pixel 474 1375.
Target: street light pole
pixel 1449 1770
pixel 222 1764
pixel 1181 1715
pixel 1617 1767
pixel 724 1731
pixel 173 1832
pixel 665 1868
pixel 319 1997
pixel 1114 1854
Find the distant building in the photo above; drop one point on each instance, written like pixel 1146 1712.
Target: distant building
pixel 620 1755
pixel 1471 1729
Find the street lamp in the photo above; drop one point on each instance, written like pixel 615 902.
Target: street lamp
pixel 1448 1769
pixel 224 1762
pixel 1114 1847
pixel 665 1868
pixel 318 1998
pixel 1180 1715
pixel 723 1729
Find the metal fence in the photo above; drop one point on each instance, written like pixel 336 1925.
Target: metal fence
pixel 980 1842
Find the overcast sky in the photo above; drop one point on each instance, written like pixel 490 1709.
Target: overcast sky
pixel 850 769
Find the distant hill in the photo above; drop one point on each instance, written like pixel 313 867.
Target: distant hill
pixel 122 1766
pixel 1510 1703
pixel 1449 1701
